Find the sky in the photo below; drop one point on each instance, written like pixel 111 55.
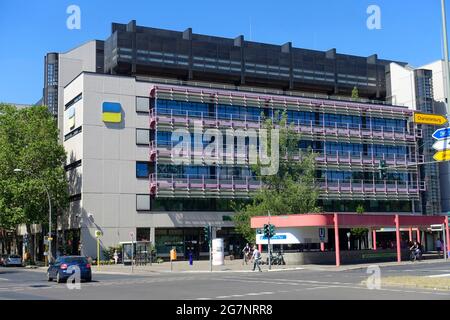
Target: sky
pixel 410 29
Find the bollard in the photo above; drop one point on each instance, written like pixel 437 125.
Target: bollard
pixel 191 259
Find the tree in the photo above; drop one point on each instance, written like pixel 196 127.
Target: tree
pixel 355 93
pixel 359 233
pixel 292 190
pixel 29 141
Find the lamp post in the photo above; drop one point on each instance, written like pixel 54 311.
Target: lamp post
pixel 49 254
pixel 348 240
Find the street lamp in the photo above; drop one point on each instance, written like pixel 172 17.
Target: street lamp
pixel 348 240
pixel 49 254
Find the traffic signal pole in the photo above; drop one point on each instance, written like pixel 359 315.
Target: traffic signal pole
pixel 209 242
pixel 268 245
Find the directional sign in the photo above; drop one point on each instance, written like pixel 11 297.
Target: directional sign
pixel 442 156
pixel 428 118
pixel 441 133
pixel 442 145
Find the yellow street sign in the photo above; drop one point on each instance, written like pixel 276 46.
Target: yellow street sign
pixel 428 118
pixel 442 156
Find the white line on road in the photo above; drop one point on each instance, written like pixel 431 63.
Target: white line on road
pixel 439 275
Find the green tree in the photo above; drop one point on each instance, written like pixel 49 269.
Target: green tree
pixel 359 233
pixel 29 141
pixel 355 93
pixel 292 190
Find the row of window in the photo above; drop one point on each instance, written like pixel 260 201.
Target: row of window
pixel 164 139
pixel 195 109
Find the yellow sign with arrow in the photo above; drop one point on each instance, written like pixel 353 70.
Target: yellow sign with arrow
pixel 442 155
pixel 428 118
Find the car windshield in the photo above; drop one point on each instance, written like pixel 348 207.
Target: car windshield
pixel 74 260
pixel 14 257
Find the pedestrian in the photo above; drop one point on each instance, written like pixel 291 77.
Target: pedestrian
pixel 256 257
pixel 439 246
pixel 246 252
pixel 116 256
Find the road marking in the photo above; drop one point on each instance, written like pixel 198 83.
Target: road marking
pixel 4 279
pixel 439 275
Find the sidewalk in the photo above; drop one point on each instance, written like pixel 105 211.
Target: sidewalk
pixel 234 266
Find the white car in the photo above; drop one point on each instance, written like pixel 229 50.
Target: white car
pixel 12 260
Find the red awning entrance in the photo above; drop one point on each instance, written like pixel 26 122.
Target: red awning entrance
pixel 343 220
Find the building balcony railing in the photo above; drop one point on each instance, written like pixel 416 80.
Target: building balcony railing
pixel 172 185
pixel 325 130
pixel 329 158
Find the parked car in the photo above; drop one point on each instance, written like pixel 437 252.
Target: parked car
pixel 11 260
pixel 65 266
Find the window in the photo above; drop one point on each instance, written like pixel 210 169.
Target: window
pixel 143 202
pixel 142 136
pixel 142 104
pixel 142 169
pixel 73 165
pixel 72 133
pixel 73 101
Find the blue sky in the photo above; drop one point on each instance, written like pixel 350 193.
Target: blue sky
pixel 411 29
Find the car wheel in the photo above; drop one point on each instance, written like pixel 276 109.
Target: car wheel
pixel 58 278
pixel 49 278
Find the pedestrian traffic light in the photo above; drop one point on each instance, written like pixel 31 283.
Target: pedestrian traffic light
pixel 382 170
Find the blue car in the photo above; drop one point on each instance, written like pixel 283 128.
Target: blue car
pixel 65 266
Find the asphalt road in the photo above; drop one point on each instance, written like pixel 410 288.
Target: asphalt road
pixel 20 283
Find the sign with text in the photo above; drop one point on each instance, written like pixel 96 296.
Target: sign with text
pixel 442 145
pixel 442 156
pixel 428 118
pixel 442 133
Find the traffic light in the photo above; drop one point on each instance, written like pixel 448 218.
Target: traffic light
pixel 207 232
pixel 382 170
pixel 271 230
pixel 266 231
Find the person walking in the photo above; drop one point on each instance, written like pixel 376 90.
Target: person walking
pixel 256 257
pixel 246 252
pixel 439 246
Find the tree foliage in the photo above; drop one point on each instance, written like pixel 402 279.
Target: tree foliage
pixel 355 93
pixel 29 141
pixel 292 190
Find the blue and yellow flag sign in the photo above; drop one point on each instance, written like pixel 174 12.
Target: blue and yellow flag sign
pixel 112 112
pixel 71 121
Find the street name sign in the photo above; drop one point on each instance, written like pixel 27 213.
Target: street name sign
pixel 442 155
pixel 428 118
pixel 441 133
pixel 442 145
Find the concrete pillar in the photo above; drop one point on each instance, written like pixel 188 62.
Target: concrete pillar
pixel 336 240
pixel 398 238
pixel 374 239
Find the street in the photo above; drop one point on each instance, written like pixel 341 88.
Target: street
pixel 21 283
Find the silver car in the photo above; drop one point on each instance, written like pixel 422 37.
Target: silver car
pixel 12 260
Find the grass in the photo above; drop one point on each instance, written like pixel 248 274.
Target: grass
pixel 416 282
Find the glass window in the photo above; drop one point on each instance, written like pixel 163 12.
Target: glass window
pixel 143 202
pixel 142 169
pixel 142 104
pixel 142 136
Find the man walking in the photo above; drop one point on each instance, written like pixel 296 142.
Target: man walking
pixel 256 257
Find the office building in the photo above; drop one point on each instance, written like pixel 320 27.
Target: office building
pixel 117 125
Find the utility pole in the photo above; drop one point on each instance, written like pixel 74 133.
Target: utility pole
pixel 268 245
pixel 209 243
pixel 446 67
